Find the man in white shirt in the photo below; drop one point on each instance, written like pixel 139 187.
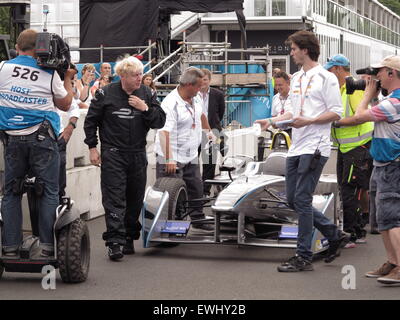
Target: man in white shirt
pixel 315 103
pixel 178 141
pixel 281 101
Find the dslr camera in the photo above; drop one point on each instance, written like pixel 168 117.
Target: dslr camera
pixel 53 53
pixel 352 84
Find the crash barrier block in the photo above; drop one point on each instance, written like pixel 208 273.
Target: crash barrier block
pixel 77 150
pixel 83 186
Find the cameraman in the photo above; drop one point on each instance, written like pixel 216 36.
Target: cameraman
pixel 385 151
pixel 29 96
pixel 354 164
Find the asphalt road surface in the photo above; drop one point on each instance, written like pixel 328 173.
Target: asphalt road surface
pixel 209 272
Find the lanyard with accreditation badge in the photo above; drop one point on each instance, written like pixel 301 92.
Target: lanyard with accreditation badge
pixel 192 114
pixel 303 97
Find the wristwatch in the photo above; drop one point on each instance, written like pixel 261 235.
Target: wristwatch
pixel 72 124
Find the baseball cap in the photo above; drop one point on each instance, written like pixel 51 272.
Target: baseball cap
pixel 392 62
pixel 337 60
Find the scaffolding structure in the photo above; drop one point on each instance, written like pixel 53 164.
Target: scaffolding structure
pixel 230 74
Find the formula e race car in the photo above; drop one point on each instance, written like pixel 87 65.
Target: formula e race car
pixel 249 208
pixel 71 243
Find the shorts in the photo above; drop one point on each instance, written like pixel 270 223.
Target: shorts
pixel 387 201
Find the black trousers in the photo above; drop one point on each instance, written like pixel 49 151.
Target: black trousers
pixel 62 180
pixel 354 170
pixel 190 173
pixel 209 158
pixel 123 182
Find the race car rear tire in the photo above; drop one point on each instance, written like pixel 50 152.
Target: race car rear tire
pixel 73 252
pixel 177 196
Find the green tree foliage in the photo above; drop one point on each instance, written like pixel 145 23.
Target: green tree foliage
pixel 4 20
pixel 393 5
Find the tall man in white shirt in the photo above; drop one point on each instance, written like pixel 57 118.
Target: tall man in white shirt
pixel 315 103
pixel 178 141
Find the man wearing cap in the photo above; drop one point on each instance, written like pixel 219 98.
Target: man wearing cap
pixel 385 151
pixel 354 164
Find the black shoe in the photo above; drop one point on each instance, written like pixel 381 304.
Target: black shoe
pixel 334 248
pixel 296 264
pixel 128 248
pixel 374 231
pixel 114 252
pixel 47 253
pixel 201 228
pixel 365 218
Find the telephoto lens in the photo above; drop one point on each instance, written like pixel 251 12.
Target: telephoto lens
pixel 370 71
pixel 353 85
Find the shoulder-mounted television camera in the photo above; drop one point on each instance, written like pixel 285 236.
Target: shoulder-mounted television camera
pixel 53 53
pixel 352 84
pixel 51 50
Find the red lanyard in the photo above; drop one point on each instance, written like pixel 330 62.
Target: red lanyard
pixel 283 104
pixel 192 114
pixel 303 97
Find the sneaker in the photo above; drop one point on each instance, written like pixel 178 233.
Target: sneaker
pixel 296 264
pixel 10 254
pixel 384 270
pixel 334 248
pixel 47 253
pixel 361 240
pixel 128 247
pixel 349 245
pixel 114 252
pixel 392 278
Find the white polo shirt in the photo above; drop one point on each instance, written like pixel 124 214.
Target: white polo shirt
pixel 279 105
pixel 321 93
pixel 180 117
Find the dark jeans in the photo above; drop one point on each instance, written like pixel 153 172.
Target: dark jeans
pixel 23 155
pixel 301 182
pixel 353 173
pixel 190 173
pixel 62 184
pixel 123 182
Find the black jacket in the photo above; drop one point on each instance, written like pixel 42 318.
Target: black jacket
pixel 120 125
pixel 216 108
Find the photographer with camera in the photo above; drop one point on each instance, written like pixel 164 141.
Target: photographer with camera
pixel 354 164
pixel 29 97
pixel 385 151
pixel 105 75
pixel 315 103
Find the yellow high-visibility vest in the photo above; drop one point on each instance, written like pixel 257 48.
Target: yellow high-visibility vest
pixel 350 137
